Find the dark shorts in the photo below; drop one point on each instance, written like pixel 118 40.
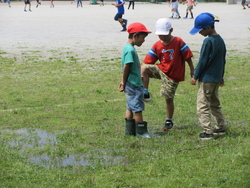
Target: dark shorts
pixel 26 2
pixel 117 16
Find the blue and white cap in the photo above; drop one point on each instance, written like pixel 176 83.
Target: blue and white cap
pixel 202 21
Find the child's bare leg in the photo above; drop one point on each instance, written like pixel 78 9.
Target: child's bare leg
pixel 170 108
pixel 145 76
pixel 129 114
pixel 138 117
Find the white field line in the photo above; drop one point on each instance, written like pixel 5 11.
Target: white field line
pixel 31 108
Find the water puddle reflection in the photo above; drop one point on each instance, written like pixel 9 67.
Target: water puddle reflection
pixel 39 139
pixel 32 138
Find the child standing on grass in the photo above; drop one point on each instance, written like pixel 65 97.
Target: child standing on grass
pixel 118 17
pixel 172 52
pixel 209 72
pixel 132 82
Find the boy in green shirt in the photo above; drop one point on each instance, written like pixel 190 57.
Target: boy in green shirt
pixel 132 82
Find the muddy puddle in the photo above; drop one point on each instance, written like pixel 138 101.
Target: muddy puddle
pixel 39 139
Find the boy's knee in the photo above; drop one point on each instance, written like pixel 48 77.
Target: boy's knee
pixel 144 69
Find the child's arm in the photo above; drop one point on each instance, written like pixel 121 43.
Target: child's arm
pixel 195 3
pixel 117 5
pixel 191 66
pixel 124 77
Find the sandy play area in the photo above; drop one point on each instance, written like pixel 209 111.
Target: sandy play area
pixel 91 31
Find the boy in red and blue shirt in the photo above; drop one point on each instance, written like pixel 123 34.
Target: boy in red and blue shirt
pixel 172 52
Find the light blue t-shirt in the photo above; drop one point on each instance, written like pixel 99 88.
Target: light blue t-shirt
pixel 129 55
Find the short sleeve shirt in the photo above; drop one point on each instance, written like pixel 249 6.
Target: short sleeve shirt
pixel 120 8
pixel 172 58
pixel 129 55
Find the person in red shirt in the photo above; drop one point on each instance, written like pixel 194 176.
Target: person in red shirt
pixel 172 53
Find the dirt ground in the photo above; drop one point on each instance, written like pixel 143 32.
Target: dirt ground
pixel 91 32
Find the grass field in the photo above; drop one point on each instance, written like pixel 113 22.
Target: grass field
pixel 62 125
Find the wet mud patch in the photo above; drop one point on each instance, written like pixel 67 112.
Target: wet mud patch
pixel 32 144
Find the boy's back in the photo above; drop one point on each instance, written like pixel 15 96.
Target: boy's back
pixel 212 60
pixel 209 72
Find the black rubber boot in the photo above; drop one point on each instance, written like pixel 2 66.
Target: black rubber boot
pixel 142 130
pixel 130 127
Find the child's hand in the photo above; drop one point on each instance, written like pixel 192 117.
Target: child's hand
pixel 222 82
pixel 193 81
pixel 121 87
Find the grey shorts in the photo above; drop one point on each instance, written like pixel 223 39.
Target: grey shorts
pixel 190 7
pixel 168 86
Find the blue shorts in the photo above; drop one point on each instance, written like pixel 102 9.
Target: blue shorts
pixel 135 97
pixel 175 5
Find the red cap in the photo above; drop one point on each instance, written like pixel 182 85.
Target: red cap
pixel 137 27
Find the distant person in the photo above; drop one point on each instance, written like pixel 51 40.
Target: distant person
pixel 172 53
pixel 118 17
pixel 38 3
pixel 5 1
pixel 131 2
pixel 209 72
pixel 101 2
pixel 174 10
pixel 243 3
pixel 27 2
pixel 190 6
pixel 78 3
pixel 52 4
pixel 132 83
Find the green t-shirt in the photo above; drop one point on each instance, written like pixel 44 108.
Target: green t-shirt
pixel 129 55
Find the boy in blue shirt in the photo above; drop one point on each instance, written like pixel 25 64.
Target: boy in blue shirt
pixel 118 17
pixel 132 82
pixel 209 71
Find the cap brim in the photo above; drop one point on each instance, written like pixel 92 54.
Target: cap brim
pixel 194 31
pixel 161 33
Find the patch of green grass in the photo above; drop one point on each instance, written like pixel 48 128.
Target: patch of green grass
pixel 82 112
